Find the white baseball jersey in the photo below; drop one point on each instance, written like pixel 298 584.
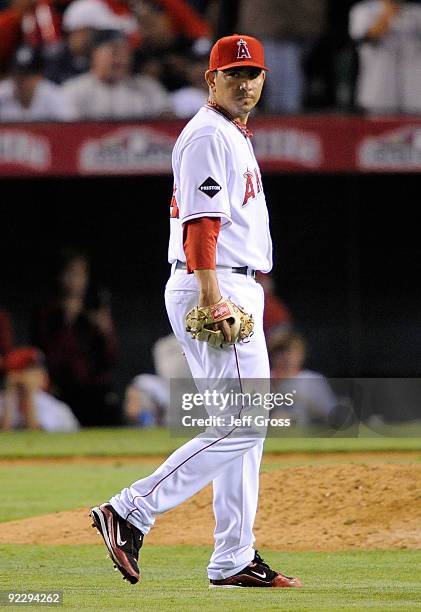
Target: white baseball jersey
pixel 216 175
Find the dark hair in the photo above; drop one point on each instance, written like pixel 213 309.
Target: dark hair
pixel 103 37
pixel 285 342
pixel 64 258
pixel 68 254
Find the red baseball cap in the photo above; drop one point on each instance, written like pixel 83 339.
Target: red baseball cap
pixel 22 358
pixel 237 50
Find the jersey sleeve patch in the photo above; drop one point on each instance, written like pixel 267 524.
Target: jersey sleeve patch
pixel 210 187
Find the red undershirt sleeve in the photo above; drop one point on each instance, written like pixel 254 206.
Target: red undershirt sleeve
pixel 199 242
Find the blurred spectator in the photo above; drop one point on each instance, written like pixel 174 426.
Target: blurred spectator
pixel 108 90
pixel 155 28
pixel 332 65
pixel 27 96
pixel 388 34
pixel 147 398
pixel 187 100
pixel 277 319
pixel 200 6
pixel 288 30
pixel 170 30
pixel 224 16
pixel 159 49
pixel 24 402
pixel 33 23
pixel 6 337
pixel 102 15
pixel 76 332
pixel 169 360
pixel 81 20
pixel 11 30
pixel 6 341
pixel 185 20
pixel 314 400
pixel 74 57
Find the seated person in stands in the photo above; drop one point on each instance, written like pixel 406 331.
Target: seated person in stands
pixel 314 400
pixel 101 15
pixel 188 99
pixel 75 330
pixel 25 403
pixel 109 90
pixel 73 57
pixel 277 319
pixel 27 96
pixel 35 23
pixel 81 19
pixel 147 398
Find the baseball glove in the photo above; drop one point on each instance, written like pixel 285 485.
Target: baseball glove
pixel 200 323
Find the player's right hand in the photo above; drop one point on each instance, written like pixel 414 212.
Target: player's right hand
pixel 225 328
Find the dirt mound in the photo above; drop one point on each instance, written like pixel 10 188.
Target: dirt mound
pixel 302 508
pixel 284 458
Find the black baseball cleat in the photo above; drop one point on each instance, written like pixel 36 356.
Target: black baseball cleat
pixel 256 574
pixel 122 539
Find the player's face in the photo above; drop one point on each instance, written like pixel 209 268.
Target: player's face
pixel 237 90
pixel 111 61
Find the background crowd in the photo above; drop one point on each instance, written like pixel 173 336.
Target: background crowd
pixel 135 59
pixel 64 377
pixel 120 59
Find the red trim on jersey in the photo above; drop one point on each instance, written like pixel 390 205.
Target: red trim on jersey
pixel 199 242
pixel 205 213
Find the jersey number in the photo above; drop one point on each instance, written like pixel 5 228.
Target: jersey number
pixel 174 212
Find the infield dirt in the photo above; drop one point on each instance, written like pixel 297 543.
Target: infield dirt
pixel 316 507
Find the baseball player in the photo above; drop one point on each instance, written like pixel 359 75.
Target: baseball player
pixel 219 238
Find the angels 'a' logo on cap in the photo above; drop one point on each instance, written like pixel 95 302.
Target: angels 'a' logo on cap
pixel 243 50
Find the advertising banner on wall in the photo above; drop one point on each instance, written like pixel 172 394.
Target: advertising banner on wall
pixel 328 144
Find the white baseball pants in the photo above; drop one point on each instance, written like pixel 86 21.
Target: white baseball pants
pixel 231 462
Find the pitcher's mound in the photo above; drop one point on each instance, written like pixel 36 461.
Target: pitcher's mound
pixel 302 508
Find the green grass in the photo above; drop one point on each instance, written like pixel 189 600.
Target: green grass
pixel 41 489
pixel 174 578
pixel 36 489
pixel 112 442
